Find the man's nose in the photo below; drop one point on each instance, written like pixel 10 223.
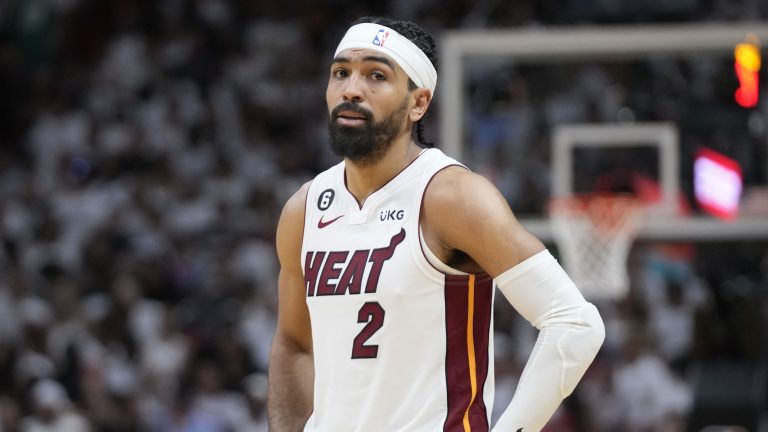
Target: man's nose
pixel 353 90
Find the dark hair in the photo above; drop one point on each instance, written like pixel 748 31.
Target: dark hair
pixel 422 39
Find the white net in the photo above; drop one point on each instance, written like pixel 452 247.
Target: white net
pixel 594 235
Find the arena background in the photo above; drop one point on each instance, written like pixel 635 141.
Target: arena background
pixel 146 148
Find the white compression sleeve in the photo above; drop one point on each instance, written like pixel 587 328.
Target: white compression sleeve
pixel 570 334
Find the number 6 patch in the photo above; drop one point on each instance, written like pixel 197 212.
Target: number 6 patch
pixel 325 199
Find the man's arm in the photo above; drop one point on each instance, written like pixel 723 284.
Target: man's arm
pixel 463 211
pixel 291 370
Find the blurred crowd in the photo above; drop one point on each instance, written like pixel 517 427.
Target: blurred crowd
pixel 146 148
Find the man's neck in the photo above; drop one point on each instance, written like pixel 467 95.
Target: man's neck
pixel 364 180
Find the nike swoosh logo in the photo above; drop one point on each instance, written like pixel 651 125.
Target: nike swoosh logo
pixel 321 224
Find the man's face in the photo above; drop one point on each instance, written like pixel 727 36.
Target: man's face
pixel 368 101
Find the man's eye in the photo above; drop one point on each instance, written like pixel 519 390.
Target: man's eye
pixel 340 73
pixel 378 76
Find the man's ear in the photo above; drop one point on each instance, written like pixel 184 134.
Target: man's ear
pixel 421 97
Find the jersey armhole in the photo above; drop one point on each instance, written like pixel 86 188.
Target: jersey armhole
pixel 434 261
pixel 426 252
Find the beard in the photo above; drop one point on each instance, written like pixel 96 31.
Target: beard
pixel 366 144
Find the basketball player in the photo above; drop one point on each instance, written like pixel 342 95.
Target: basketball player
pixel 388 266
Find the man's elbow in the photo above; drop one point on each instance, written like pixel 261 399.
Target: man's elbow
pixel 579 345
pixel 594 332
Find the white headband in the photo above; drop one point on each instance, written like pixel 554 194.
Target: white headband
pixel 385 40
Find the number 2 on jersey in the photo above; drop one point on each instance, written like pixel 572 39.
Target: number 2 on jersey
pixel 373 314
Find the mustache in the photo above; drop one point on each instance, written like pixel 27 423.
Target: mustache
pixel 351 106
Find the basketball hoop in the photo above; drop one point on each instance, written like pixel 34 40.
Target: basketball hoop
pixel 594 233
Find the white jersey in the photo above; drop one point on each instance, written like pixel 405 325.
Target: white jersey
pixel 399 345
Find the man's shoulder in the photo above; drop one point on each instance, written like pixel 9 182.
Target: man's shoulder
pixel 290 227
pixel 301 194
pixel 458 195
pixel 296 203
pixel 455 185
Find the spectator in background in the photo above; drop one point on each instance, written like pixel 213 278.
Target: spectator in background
pixel 10 415
pixel 652 397
pixel 52 410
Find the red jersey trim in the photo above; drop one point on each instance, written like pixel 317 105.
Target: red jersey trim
pixel 468 308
